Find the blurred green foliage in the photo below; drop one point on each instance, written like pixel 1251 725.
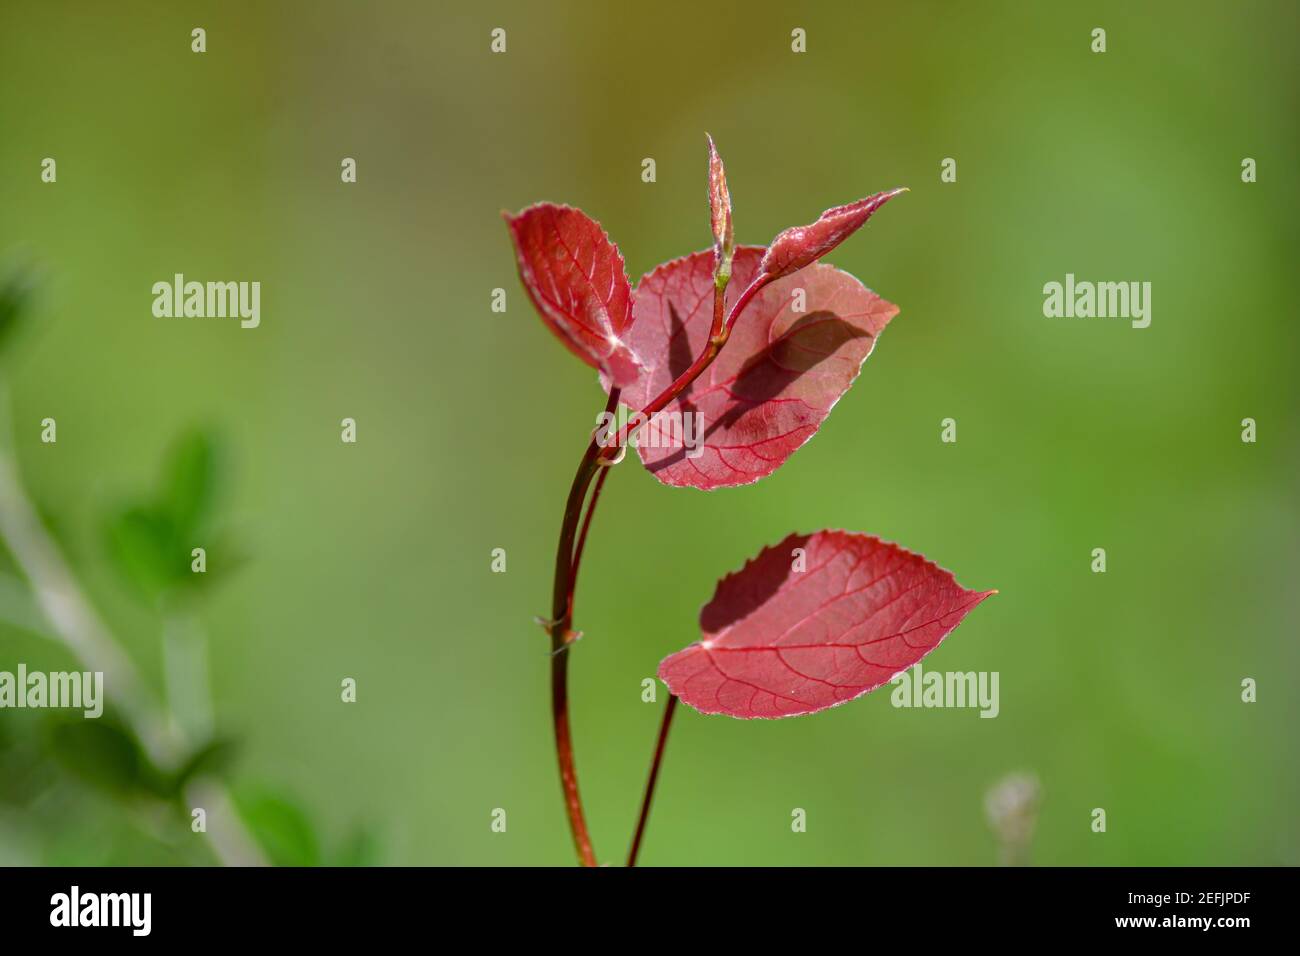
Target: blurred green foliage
pixel 151 541
pixel 149 544
pixel 106 756
pixel 282 829
pixel 15 291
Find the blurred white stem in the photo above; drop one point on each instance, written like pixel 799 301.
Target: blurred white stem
pixel 185 669
pixel 73 621
pixel 230 839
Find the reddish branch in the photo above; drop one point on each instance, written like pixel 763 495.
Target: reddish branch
pixel 650 783
pixel 562 635
pixel 568 556
pixel 790 251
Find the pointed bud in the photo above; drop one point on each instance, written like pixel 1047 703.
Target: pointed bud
pixel 720 213
pixel 803 245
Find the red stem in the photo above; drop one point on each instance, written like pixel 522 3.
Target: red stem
pixel 562 635
pixel 650 783
pixel 751 290
pixel 568 556
pixel 560 638
pixel 586 526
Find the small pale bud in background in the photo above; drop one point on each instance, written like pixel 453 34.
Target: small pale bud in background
pixel 1011 808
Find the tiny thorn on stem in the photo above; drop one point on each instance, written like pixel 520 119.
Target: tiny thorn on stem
pixel 569 638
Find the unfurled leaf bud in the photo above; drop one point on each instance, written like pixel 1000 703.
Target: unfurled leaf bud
pixel 803 245
pixel 724 240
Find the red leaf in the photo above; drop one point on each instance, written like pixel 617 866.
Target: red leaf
pixel 575 278
pixel 774 382
pixel 780 643
pixel 801 245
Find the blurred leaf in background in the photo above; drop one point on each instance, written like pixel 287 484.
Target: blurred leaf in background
pixel 106 755
pixel 285 831
pixel 152 541
pixel 361 848
pixel 280 826
pixel 17 283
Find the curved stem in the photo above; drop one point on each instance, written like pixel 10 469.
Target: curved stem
pixel 654 777
pixel 561 635
pixel 564 752
pixel 567 554
pixel 750 291
pixel 582 535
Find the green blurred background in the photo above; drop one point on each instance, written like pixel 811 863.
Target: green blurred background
pixel 1118 690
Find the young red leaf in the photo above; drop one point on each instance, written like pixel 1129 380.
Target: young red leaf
pixel 801 245
pixel 771 386
pixel 780 642
pixel 575 278
pixel 720 209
